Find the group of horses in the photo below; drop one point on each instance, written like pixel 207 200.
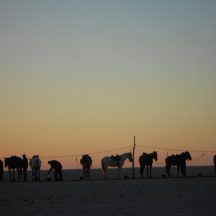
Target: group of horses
pixel 146 161
pixel 15 163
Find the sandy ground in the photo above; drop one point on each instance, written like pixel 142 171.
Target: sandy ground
pixel 157 196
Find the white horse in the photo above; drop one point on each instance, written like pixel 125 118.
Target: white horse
pixel 35 164
pixel 115 162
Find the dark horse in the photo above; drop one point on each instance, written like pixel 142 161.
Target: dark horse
pixel 147 160
pixel 86 163
pixel 215 163
pixel 178 160
pixel 14 163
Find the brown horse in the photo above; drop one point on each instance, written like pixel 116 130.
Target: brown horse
pixel 86 163
pixel 178 160
pixel 147 160
pixel 14 163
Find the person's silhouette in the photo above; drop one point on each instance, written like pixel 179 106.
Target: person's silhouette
pixel 57 167
pixel 25 167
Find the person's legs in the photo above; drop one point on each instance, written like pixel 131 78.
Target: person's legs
pixel 60 174
pixel 56 174
pixel 24 174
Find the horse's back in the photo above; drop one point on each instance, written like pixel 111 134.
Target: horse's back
pixel 106 158
pixel 175 160
pixel 146 159
pixel 35 162
pixel 107 161
pixel 14 162
pixel 171 160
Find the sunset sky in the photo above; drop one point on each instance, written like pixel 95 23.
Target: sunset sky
pixel 85 76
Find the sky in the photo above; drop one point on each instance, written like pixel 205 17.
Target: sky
pixel 81 77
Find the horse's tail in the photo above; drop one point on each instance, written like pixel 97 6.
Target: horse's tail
pixel 30 163
pixel 103 167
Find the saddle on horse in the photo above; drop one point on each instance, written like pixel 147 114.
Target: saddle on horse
pixel 116 158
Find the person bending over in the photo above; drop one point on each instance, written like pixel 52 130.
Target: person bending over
pixel 57 167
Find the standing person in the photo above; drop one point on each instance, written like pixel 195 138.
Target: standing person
pixel 25 167
pixel 57 167
pixel 1 170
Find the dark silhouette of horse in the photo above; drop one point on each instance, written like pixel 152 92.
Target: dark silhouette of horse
pixel 35 164
pixel 147 160
pixel 1 169
pixel 178 160
pixel 86 163
pixel 214 159
pixel 14 163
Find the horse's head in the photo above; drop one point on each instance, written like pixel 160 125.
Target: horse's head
pixel 35 156
pixel 187 155
pixel 130 157
pixel 155 155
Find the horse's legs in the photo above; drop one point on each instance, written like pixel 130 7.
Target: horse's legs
pixel 34 174
pixel 168 170
pixel 37 174
pixel 150 169
pixel 104 169
pixel 178 170
pixel 147 171
pixel 10 174
pixel 60 175
pixel 119 172
pixel 183 170
pixel 13 178
pixel 141 171
pixel 89 173
pixel 19 174
pixel 84 173
pixel 104 173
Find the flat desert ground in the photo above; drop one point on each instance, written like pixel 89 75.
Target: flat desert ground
pixel 112 197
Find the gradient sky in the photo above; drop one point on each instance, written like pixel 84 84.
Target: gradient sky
pixel 87 76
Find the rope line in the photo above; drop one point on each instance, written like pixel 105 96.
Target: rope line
pixel 178 150
pixel 90 153
pixel 130 147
